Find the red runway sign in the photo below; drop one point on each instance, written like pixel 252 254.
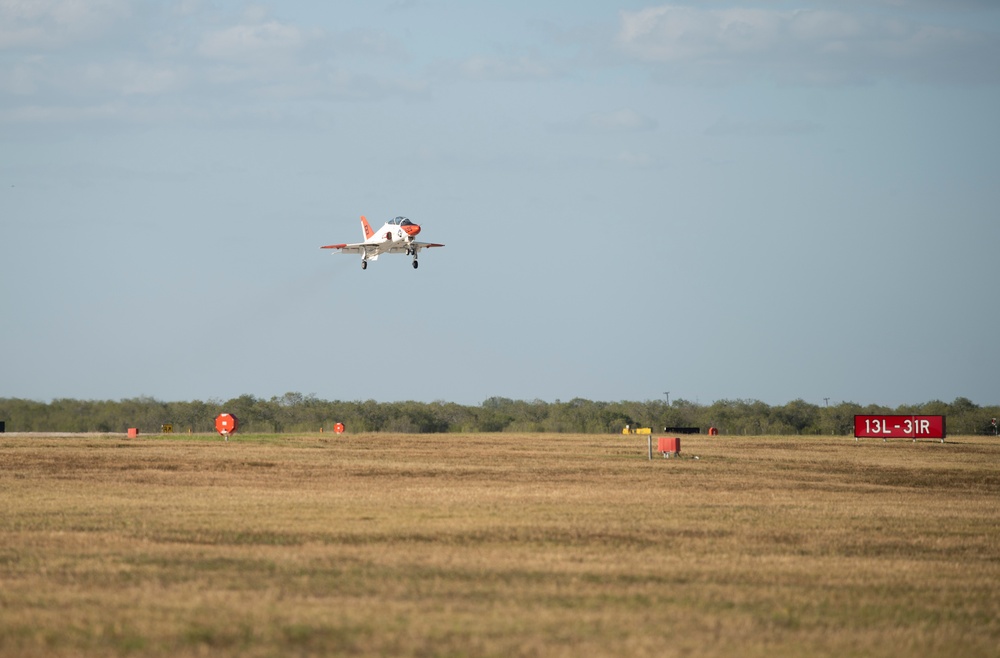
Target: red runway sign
pixel 899 427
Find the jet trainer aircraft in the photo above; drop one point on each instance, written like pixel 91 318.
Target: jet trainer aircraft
pixel 395 237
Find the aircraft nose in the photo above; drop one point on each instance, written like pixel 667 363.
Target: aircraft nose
pixel 412 229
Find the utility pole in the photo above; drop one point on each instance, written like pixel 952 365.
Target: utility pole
pixel 667 393
pixel 827 400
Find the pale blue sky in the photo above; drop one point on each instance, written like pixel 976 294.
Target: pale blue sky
pixel 767 200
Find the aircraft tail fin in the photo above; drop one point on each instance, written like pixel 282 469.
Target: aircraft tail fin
pixel 366 228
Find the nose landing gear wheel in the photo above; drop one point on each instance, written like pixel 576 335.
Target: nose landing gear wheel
pixel 364 265
pixel 415 263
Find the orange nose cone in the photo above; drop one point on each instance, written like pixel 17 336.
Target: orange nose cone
pixel 412 229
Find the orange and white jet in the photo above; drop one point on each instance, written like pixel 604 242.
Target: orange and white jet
pixel 395 237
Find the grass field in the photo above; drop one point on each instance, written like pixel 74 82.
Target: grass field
pixel 489 545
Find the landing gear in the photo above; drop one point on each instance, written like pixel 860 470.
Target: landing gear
pixel 364 264
pixel 415 263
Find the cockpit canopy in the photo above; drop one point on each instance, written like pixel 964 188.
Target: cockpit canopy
pixel 400 221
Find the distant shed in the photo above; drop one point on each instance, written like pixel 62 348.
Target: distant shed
pixel 682 430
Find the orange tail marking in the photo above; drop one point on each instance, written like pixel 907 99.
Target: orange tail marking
pixel 367 229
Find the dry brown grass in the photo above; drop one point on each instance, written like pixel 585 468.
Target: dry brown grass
pixel 547 545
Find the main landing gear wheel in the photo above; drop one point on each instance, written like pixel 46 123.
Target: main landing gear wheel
pixel 364 265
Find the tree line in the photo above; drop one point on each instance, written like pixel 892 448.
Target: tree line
pixel 295 412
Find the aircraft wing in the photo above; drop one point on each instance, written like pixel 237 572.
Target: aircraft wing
pixel 414 245
pixel 344 248
pixel 354 248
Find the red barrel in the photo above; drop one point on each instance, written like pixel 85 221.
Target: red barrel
pixel 339 428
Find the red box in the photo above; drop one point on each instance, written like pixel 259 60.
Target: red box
pixel 133 432
pixel 668 444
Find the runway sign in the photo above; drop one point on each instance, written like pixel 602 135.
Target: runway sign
pixel 899 427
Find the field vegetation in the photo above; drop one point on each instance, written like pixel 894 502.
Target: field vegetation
pixel 294 412
pixel 498 544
